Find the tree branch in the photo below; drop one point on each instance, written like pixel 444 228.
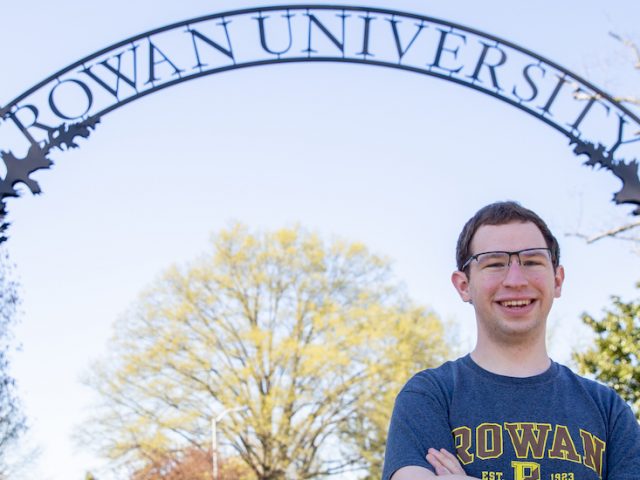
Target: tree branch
pixel 612 233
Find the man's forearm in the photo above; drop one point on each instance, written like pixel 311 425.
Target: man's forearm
pixel 413 473
pixel 421 473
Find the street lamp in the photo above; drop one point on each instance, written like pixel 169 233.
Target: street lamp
pixel 214 436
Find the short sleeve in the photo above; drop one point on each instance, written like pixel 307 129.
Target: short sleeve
pixel 419 421
pixel 623 448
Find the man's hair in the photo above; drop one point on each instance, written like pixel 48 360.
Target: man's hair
pixel 501 213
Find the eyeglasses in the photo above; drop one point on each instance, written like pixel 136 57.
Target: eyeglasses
pixel 530 259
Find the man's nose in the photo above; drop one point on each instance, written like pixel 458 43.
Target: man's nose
pixel 515 275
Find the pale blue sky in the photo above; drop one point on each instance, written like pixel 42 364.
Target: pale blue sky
pixel 396 160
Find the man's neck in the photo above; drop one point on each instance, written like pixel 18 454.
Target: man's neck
pixel 512 361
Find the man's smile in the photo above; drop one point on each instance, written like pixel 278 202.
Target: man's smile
pixel 515 303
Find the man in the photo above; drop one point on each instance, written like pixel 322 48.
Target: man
pixel 506 410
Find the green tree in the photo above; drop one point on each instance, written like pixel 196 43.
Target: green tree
pixel 12 420
pixel 615 357
pixel 313 338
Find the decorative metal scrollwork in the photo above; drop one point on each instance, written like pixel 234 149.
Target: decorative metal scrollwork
pixel 38 121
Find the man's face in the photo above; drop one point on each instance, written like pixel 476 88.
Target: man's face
pixel 511 307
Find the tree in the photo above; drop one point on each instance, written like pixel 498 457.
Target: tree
pixel 615 357
pixel 314 339
pixel 12 420
pixel 415 342
pixel 192 464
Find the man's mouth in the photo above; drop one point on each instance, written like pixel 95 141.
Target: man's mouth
pixel 515 303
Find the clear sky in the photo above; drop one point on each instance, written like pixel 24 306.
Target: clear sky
pixel 393 159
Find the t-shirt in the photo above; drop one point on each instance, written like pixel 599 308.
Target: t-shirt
pixel 552 426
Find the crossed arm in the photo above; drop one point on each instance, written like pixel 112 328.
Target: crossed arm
pixel 444 463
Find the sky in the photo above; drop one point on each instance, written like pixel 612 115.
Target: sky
pixel 393 159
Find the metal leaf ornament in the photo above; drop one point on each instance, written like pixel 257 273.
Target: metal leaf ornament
pixel 19 170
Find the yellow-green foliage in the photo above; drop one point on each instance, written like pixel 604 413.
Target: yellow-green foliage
pixel 615 357
pixel 315 339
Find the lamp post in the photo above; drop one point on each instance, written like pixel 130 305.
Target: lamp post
pixel 214 436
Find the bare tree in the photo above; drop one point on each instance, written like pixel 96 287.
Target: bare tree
pixel 12 420
pixel 628 231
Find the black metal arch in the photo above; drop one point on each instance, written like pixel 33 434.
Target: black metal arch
pixel 37 121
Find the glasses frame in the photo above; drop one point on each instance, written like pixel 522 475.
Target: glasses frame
pixel 511 254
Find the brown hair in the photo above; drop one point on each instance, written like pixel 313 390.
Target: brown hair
pixel 501 213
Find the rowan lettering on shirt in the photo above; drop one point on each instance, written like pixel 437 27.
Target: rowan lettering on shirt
pixel 529 441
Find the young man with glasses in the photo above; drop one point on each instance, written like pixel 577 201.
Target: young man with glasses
pixel 506 411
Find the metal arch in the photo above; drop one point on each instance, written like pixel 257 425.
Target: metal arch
pixel 62 135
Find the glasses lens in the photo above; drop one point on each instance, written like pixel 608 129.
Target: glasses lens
pixel 535 258
pixel 493 261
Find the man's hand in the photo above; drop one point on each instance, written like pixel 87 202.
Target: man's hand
pixel 444 462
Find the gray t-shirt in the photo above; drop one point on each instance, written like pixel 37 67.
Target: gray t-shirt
pixel 553 426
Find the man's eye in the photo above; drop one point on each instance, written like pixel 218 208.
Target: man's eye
pixel 535 261
pixel 495 265
pixel 532 263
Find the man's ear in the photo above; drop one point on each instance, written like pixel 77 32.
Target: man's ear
pixel 461 283
pixel 558 280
